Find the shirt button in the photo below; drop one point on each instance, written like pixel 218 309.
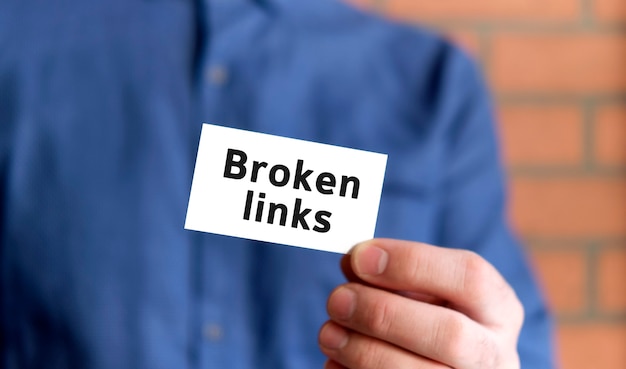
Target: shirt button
pixel 213 332
pixel 217 75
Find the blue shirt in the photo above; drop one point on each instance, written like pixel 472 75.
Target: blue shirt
pixel 101 105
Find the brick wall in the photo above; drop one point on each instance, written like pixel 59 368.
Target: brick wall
pixel 558 70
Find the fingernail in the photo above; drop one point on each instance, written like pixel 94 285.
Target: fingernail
pixel 333 336
pixel 342 303
pixel 371 260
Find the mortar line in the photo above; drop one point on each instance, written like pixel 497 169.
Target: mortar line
pixel 602 316
pixel 528 98
pixel 528 27
pixel 568 172
pixel 572 319
pixel 577 243
pixel 588 19
pixel 592 279
pixel 589 109
pixel 554 246
pixel 484 48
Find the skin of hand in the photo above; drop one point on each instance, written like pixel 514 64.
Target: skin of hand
pixel 413 305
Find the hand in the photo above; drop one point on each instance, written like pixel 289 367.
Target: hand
pixel 411 305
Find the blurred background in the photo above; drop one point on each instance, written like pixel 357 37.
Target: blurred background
pixel 558 72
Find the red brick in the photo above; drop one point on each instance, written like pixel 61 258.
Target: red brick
pixel 578 63
pixel 610 135
pixel 569 207
pixel 592 346
pixel 611 11
pixel 562 275
pixel 542 135
pixel 481 10
pixel 612 281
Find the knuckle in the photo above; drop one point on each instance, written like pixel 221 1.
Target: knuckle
pixel 473 265
pixel 379 318
pixel 450 337
pixel 487 352
pixel 368 355
pixel 518 314
pixel 411 265
pixel 476 274
pixel 460 342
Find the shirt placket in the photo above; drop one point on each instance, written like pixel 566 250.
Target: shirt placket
pixel 213 278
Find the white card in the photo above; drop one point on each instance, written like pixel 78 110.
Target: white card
pixel 283 190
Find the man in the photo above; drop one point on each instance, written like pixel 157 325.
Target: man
pixel 101 105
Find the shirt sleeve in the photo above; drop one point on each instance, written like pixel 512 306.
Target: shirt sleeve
pixel 473 214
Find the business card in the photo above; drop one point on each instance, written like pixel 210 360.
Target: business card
pixel 283 190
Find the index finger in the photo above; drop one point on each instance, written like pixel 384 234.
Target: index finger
pixel 468 282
